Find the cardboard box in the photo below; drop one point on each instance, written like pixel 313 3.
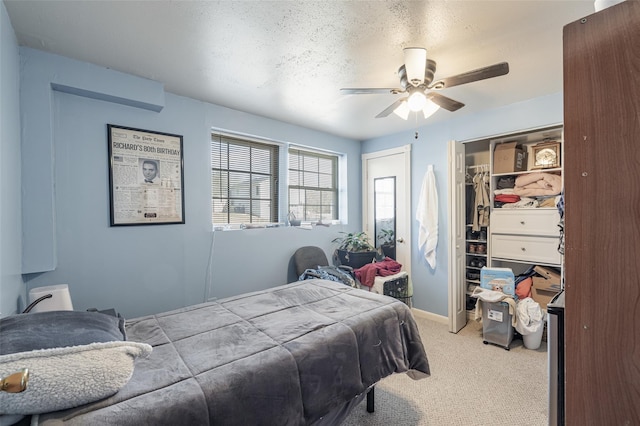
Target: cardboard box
pixel 509 157
pixel 549 274
pixel 498 279
pixel 543 290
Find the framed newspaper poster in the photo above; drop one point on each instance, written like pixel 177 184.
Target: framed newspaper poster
pixel 146 180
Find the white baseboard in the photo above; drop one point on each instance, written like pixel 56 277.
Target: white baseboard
pixel 430 316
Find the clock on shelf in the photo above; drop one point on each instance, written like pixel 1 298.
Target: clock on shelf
pixel 546 155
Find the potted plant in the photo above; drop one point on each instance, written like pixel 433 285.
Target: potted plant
pixel 354 249
pixel 387 241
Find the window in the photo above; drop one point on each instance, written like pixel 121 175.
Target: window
pixel 313 185
pixel 244 180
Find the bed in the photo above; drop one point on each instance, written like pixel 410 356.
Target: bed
pixel 304 353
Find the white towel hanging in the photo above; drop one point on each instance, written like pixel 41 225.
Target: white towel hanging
pixel 427 216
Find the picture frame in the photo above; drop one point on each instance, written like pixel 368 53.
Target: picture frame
pixel 146 177
pixel 546 155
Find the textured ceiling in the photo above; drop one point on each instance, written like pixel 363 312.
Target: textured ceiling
pixel 287 60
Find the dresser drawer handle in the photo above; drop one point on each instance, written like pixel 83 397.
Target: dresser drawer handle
pixel 522 222
pixel 523 249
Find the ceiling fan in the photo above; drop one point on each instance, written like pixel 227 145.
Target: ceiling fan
pixel 416 80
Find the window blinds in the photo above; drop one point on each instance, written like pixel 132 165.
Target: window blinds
pixel 244 180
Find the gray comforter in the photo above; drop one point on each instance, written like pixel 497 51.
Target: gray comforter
pixel 302 353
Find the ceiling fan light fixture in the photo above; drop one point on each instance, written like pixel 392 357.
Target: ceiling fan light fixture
pixel 415 61
pixel 429 109
pixel 417 101
pixel 402 111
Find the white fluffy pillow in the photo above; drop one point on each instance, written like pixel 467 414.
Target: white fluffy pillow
pixel 66 377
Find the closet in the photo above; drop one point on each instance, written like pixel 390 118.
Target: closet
pixel 525 229
pixel 520 233
pixel 602 180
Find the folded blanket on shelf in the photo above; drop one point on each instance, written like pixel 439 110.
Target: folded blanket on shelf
pixel 524 202
pixel 535 184
pixel 507 198
pixel 503 191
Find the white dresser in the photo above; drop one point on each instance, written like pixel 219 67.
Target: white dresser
pixel 526 235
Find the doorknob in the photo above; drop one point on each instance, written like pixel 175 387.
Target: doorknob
pixel 400 240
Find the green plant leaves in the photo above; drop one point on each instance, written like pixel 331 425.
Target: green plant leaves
pixel 354 241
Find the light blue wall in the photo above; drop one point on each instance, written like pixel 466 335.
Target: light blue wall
pixel 66 106
pixel 431 286
pixel 12 288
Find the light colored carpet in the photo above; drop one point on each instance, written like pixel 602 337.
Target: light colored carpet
pixel 471 384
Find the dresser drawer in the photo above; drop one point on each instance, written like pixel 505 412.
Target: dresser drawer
pixel 525 222
pixel 525 248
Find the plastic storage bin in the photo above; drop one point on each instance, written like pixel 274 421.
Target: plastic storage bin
pixel 497 327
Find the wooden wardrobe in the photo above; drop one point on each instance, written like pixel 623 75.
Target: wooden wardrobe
pixel 602 211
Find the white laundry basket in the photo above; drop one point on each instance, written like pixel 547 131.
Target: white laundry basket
pixel 533 340
pixel 497 327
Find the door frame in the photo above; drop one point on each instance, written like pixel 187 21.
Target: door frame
pixel 404 150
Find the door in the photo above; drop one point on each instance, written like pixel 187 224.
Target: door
pixel 601 186
pixel 386 200
pixel 457 227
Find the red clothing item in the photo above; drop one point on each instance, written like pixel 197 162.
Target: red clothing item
pixel 523 289
pixel 507 198
pixel 367 274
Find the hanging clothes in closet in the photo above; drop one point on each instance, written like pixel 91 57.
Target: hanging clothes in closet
pixel 482 201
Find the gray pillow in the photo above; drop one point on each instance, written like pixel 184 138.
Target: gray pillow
pixel 56 329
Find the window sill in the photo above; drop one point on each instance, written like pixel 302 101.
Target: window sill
pixel 248 226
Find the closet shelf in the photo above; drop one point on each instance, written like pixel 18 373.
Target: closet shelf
pixel 525 208
pixel 527 262
pixel 525 172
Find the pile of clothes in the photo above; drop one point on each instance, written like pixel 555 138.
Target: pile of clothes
pixel 538 189
pixel 527 315
pixel 366 275
pixel 331 273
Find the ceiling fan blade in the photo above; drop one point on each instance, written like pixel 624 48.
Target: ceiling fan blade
pixel 370 91
pixel 468 77
pixel 444 102
pixel 391 108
